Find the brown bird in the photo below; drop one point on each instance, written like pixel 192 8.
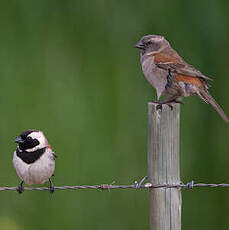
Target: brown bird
pixel 170 75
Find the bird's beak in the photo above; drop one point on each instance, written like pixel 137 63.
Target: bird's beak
pixel 139 45
pixel 19 140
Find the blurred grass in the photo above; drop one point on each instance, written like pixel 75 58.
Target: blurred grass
pixel 69 68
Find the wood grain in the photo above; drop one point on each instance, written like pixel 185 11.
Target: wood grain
pixel 163 167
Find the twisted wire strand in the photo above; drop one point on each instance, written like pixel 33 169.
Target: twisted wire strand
pixel 136 186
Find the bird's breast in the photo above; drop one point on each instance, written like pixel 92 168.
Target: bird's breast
pixel 37 172
pixel 157 77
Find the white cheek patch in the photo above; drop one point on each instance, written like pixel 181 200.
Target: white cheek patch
pixel 41 138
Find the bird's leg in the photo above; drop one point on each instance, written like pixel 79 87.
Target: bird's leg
pixel 170 100
pixel 51 187
pixel 20 188
pixel 169 80
pixel 167 102
pixel 173 99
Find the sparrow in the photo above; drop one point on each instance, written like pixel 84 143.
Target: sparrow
pixel 34 159
pixel 170 75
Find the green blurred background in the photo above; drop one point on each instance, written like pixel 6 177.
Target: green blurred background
pixel 70 69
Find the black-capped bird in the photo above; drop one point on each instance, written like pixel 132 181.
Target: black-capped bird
pixel 34 159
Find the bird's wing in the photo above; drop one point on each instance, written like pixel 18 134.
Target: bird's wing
pixel 177 65
pixel 53 154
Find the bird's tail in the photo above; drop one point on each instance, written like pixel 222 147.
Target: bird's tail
pixel 205 95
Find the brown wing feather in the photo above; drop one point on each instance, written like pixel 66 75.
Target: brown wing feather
pixel 189 80
pixel 177 65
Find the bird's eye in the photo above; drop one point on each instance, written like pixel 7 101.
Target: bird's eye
pixel 148 43
pixel 29 138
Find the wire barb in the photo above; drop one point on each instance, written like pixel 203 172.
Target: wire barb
pixel 106 186
pixel 138 185
pixel 189 185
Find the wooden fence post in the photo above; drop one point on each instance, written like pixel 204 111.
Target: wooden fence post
pixel 163 167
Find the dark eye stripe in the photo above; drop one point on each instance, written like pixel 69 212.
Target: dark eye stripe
pixel 29 144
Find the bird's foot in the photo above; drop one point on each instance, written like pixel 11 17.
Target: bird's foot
pixel 176 102
pixel 166 102
pixel 163 102
pixel 51 187
pixel 20 188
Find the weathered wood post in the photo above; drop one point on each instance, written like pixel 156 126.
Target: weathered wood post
pixel 163 167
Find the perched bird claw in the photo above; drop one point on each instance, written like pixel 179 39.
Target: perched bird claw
pixel 51 187
pixel 159 107
pixel 170 106
pixel 160 103
pixel 20 188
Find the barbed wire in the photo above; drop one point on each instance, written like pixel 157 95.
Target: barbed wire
pixel 135 185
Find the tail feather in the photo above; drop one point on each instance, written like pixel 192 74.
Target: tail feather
pixel 205 95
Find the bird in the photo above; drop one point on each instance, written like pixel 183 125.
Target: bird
pixel 170 75
pixel 34 159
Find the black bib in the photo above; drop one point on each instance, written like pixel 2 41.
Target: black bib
pixel 30 157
